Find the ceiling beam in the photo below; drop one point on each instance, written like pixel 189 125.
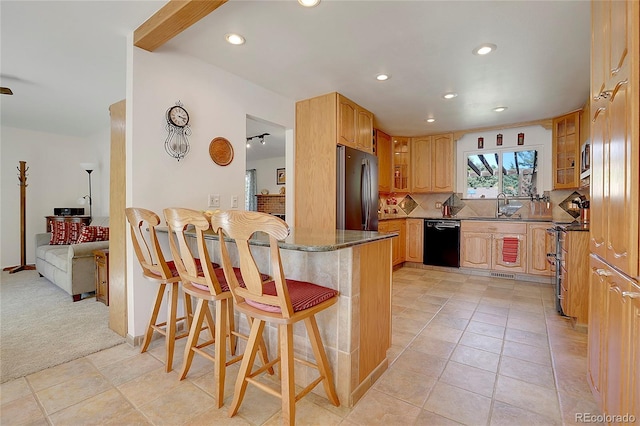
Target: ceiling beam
pixel 173 18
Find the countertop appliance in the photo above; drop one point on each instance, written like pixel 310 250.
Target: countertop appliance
pixel 441 242
pixel 357 190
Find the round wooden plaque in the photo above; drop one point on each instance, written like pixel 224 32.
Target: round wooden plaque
pixel 221 151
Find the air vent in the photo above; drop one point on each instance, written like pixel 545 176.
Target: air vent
pixel 503 275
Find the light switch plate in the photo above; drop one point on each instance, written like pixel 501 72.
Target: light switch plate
pixel 234 201
pixel 214 200
pixel 438 205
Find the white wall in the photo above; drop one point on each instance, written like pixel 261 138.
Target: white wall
pixel 218 104
pixel 535 137
pixel 266 173
pixel 55 179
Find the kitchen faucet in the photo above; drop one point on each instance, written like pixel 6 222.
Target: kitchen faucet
pixel 506 202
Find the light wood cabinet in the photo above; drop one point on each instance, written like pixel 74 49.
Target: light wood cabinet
pixel 482 245
pixel 415 237
pixel 397 244
pixel 401 163
pixel 613 339
pixel 574 276
pixel 355 125
pixel 566 151
pixel 383 151
pixel 432 164
pixel 539 243
pixel 322 123
pixel 615 134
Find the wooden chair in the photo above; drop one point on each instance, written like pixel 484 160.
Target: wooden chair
pixel 157 269
pixel 206 284
pixel 282 302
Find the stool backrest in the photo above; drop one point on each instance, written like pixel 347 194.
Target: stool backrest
pixel 241 226
pixel 179 221
pixel 145 244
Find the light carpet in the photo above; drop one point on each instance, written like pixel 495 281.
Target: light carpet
pixel 41 326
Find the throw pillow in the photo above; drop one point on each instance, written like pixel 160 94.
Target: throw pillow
pixel 93 233
pixel 65 232
pixel 59 233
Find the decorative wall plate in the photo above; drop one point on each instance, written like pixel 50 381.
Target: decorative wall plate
pixel 221 151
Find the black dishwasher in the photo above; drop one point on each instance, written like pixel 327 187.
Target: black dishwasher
pixel 441 243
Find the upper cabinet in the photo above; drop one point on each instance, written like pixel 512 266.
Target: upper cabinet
pixel 383 151
pixel 401 162
pixel 432 163
pixel 566 151
pixel 355 125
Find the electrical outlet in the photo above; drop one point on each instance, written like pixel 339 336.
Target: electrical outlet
pixel 438 205
pixel 234 201
pixel 214 200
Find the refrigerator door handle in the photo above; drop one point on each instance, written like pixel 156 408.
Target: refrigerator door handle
pixel 364 193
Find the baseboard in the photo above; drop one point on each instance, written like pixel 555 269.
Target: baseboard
pixel 481 272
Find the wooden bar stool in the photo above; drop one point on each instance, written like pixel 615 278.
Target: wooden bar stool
pixel 207 284
pixel 157 269
pixel 282 302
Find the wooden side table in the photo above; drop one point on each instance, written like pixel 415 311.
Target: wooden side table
pixel 102 275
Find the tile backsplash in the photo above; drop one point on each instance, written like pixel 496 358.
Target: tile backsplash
pixel 424 205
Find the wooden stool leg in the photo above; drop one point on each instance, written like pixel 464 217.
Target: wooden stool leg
pixel 153 319
pixel 188 310
pixel 321 359
pixel 194 335
pixel 170 337
pixel 263 348
pixel 233 339
pixel 220 351
pixel 245 367
pixel 286 374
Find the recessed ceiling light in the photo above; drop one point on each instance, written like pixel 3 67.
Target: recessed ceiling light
pixel 383 77
pixel 484 49
pixel 430 120
pixel 499 109
pixel 248 145
pixel 450 95
pixel 309 3
pixel 236 39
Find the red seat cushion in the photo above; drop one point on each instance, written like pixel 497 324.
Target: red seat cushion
pixel 303 295
pixel 223 281
pixel 174 271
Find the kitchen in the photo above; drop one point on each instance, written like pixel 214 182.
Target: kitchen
pixel 483 211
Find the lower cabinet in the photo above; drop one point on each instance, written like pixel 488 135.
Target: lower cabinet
pixel 493 245
pixel 397 244
pixel 415 237
pixel 614 336
pixel 574 276
pixel 540 242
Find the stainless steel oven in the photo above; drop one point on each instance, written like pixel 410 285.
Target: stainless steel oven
pixel 555 259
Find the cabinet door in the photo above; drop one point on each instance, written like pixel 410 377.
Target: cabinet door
pixel 539 244
pixel 401 159
pixel 599 167
pixel 347 122
pixel 475 250
pixel 383 143
pixel 442 163
pixel 634 356
pixel 415 230
pixel 421 164
pixel 364 141
pixel 566 151
pixel 500 260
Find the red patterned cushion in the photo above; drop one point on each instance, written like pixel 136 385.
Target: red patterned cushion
pixel 303 295
pixel 65 232
pixel 93 233
pixel 223 281
pixel 174 271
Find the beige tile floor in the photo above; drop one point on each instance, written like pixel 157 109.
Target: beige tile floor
pixel 466 350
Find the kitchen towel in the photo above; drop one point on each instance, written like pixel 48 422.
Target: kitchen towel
pixel 510 249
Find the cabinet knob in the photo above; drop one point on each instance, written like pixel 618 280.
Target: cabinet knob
pixel 603 272
pixel 631 294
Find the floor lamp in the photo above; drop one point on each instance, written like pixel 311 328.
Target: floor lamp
pixel 89 167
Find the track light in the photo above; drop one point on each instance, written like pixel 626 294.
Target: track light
pixel 259 137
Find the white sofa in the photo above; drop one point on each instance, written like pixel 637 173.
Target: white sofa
pixel 70 267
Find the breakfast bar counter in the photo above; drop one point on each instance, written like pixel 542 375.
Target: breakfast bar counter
pixel 356 331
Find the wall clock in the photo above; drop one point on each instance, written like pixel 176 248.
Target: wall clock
pixel 177 142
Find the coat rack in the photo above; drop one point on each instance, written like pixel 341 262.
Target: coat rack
pixel 22 177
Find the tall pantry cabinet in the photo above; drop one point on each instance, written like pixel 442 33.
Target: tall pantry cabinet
pixel 614 317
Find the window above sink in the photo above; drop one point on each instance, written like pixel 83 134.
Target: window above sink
pixel 510 171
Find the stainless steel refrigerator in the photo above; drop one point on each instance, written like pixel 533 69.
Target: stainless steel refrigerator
pixel 357 192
